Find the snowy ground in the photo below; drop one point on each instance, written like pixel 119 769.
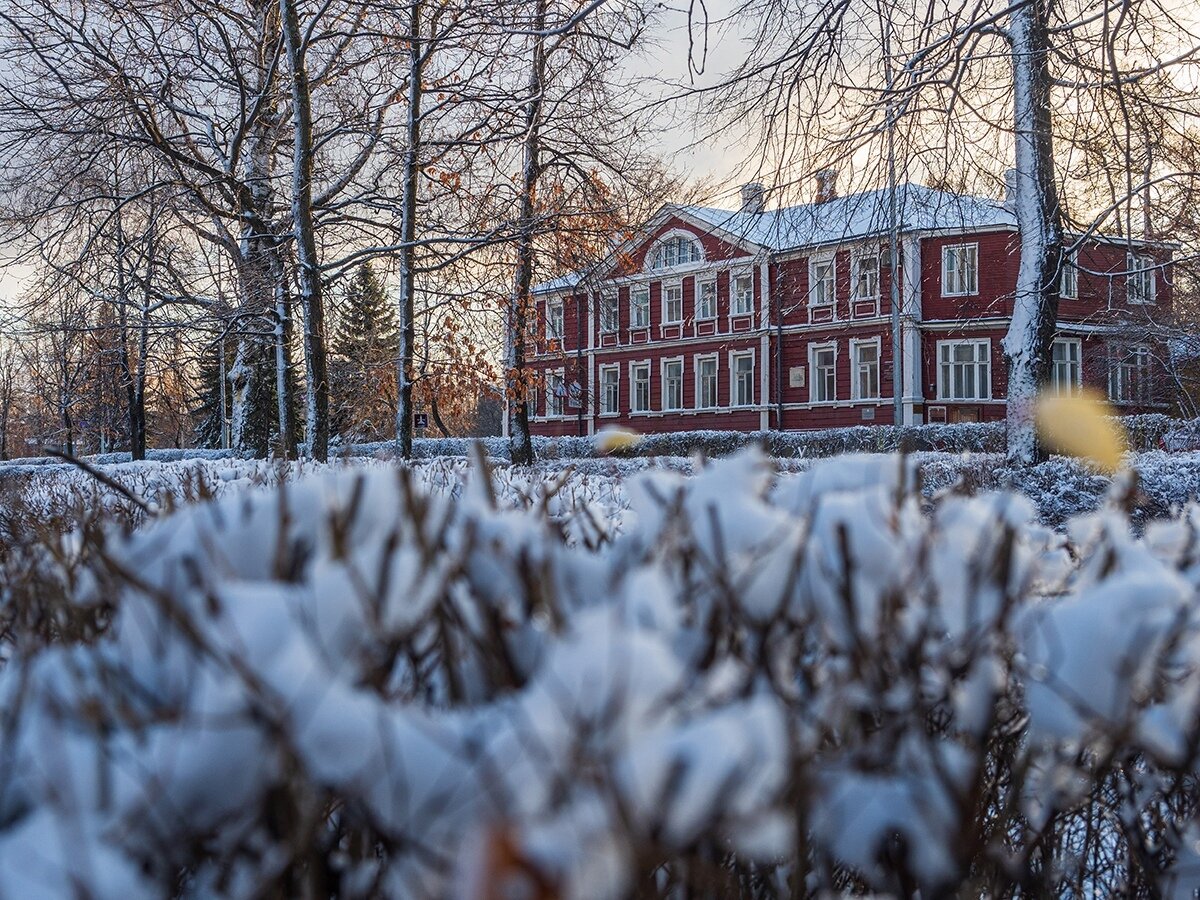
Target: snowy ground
pixel 1058 489
pixel 588 679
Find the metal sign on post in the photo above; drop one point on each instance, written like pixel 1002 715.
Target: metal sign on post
pixel 420 420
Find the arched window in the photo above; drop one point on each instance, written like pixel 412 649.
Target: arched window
pixel 675 250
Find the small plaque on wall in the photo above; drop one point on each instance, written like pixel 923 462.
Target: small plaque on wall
pixel 868 413
pixel 796 376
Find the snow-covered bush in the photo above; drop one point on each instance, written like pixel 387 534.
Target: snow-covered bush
pixel 1145 432
pixel 415 682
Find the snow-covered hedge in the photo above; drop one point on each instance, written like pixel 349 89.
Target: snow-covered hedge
pixel 1144 432
pixel 975 437
pixel 388 682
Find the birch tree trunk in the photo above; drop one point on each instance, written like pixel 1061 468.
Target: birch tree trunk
pixel 408 234
pixel 1030 338
pixel 517 375
pixel 261 275
pixel 317 389
pixel 240 384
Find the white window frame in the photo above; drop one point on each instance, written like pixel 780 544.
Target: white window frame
pixel 610 312
pixel 1068 282
pixel 634 366
pixel 531 397
pixel 814 262
pixel 1074 367
pixel 855 366
pixel 734 356
pixel 1138 390
pixel 856 261
pixel 815 384
pixel 556 409
pixel 665 406
pixel 662 298
pixel 639 290
pixel 736 308
pixel 943 389
pixel 960 289
pixel 1144 269
pixel 616 397
pixel 555 313
pixel 711 313
pixel 699 360
pixel 696 255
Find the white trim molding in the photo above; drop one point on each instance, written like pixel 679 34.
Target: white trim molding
pixel 813 349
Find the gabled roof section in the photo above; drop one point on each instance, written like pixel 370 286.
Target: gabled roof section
pixel 858 216
pixel 849 218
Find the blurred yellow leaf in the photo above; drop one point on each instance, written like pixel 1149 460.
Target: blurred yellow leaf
pixel 1082 425
pixel 613 440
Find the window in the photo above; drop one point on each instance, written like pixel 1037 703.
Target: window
pixel 965 370
pixel 706 299
pixel 672 386
pixel 865 357
pixel 1129 374
pixel 1068 285
pixel 821 281
pixel 610 386
pixel 672 303
pixel 1066 371
pixel 706 382
pixel 610 318
pixel 554 320
pixel 743 379
pixel 866 277
pixel 531 397
pixel 676 251
pixel 639 387
pixel 960 270
pixel 822 360
pixel 1141 284
pixel 741 288
pixel 639 307
pixel 555 392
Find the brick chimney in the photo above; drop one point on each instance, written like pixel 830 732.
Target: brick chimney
pixel 826 185
pixel 754 197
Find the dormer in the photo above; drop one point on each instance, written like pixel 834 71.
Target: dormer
pixel 673 251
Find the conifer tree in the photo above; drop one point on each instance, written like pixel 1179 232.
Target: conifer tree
pixel 363 370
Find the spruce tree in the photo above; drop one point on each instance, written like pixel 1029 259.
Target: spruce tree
pixel 363 370
pixel 207 412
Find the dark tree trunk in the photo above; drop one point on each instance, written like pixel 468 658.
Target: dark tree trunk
pixel 437 416
pixel 304 225
pixel 408 235
pixel 518 375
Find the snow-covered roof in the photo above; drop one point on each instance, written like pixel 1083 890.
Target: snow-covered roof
pixel 856 216
pixel 562 283
pixel 848 218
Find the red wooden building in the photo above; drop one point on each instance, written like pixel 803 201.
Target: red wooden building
pixel 781 319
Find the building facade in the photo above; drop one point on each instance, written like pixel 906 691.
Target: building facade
pixel 782 319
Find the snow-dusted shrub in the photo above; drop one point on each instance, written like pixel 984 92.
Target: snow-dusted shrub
pixel 377 681
pixel 1144 431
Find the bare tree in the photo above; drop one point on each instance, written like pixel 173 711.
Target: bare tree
pixel 974 86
